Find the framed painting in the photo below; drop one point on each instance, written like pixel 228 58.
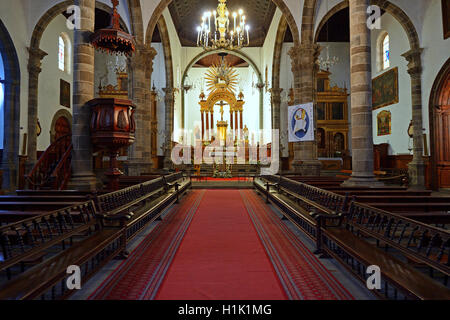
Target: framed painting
pixel 446 18
pixel 64 93
pixel 384 123
pixel 385 89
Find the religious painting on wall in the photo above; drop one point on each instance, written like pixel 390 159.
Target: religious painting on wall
pixel 64 93
pixel 446 17
pixel 384 123
pixel 385 89
pixel 300 122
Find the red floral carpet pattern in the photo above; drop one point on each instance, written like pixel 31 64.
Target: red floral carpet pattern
pixel 139 277
pixel 302 275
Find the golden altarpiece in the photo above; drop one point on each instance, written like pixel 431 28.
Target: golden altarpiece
pixel 332 119
pixel 222 80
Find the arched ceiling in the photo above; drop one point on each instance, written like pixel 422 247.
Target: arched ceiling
pixel 232 60
pixel 186 16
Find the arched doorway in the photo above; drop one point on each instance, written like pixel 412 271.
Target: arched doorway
pixel 440 128
pixel 61 125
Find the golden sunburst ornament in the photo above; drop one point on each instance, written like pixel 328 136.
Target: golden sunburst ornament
pixel 221 76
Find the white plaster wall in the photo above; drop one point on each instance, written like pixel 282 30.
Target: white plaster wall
pixel 48 94
pixel 401 112
pixel 177 65
pixel 159 81
pixel 267 53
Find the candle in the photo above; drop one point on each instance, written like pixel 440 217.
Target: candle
pixel 248 38
pixel 234 16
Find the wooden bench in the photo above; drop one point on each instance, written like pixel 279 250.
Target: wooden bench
pixel 143 203
pixel 399 237
pixel 52 193
pixel 54 241
pixel 358 235
pixel 411 207
pixel 393 193
pixel 34 198
pixel 35 206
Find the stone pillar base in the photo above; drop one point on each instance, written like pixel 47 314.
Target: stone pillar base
pixel 362 181
pixel 307 167
pixel 134 168
pixel 416 172
pixel 84 183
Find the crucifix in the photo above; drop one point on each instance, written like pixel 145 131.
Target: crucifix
pixel 221 104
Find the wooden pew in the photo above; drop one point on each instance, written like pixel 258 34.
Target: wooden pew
pixel 55 198
pixel 143 203
pixel 30 206
pixel 358 235
pixel 58 193
pixel 89 241
pixel 128 181
pixel 366 192
pixel 50 243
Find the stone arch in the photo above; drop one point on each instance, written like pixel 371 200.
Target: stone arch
pixel 60 113
pixel 9 161
pixel 164 33
pixel 54 11
pixel 237 54
pixel 309 9
pixel 34 69
pixel 387 6
pixel 413 56
pixel 282 27
pixel 279 3
pixel 438 98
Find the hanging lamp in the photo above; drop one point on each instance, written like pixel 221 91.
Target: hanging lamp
pixel 113 39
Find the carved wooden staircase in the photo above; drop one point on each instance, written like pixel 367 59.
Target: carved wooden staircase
pixel 53 169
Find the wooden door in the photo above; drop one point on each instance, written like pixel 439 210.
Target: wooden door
pixel 442 134
pixel 62 127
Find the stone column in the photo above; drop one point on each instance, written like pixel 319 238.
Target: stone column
pixel 417 165
pixel 361 97
pixel 34 69
pixel 203 124
pixel 275 95
pixel 304 67
pixel 140 153
pixel 83 177
pixel 170 104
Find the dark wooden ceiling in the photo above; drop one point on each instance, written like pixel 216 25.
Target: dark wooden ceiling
pixel 232 60
pixel 187 14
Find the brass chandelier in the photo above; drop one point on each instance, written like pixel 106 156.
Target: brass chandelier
pixel 224 35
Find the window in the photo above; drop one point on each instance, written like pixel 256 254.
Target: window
pixel 386 52
pixel 62 54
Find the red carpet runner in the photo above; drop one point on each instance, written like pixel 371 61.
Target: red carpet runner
pixel 139 277
pixel 303 276
pixel 233 246
pixel 221 257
